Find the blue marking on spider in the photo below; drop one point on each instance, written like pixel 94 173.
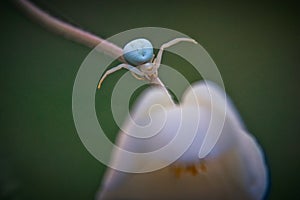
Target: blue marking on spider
pixel 138 51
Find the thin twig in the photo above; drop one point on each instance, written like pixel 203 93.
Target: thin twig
pixel 68 31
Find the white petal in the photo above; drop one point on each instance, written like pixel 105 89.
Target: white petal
pixel 234 168
pixel 209 91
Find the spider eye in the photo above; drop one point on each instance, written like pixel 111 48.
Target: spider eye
pixel 138 51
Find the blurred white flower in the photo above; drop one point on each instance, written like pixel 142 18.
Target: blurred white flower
pixel 234 167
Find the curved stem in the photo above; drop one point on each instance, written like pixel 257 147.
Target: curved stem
pixel 68 31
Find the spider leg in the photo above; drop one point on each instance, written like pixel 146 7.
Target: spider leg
pixel 157 60
pixel 125 66
pixel 135 70
pixel 139 77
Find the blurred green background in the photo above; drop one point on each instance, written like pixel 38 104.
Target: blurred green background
pixel 255 46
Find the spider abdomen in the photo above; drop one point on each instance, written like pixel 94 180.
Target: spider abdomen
pixel 138 51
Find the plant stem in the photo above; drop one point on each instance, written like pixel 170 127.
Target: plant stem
pixel 68 31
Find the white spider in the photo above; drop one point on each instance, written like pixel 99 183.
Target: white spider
pixel 140 58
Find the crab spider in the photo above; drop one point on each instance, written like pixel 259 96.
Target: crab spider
pixel 140 58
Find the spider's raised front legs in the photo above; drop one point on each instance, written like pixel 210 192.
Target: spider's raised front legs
pixel 157 60
pixel 134 70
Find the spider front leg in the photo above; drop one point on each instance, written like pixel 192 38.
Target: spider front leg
pixel 157 60
pixel 133 69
